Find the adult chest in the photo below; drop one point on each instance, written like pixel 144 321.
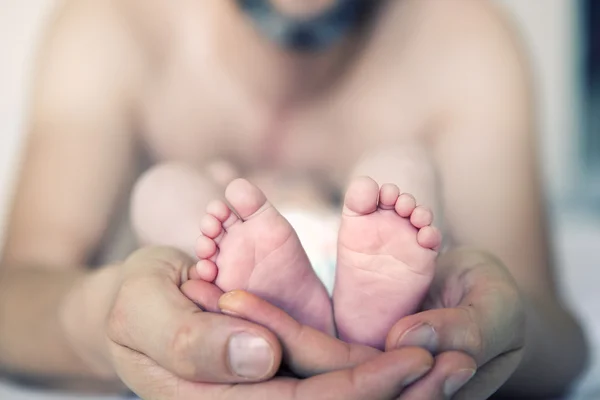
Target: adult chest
pixel 193 112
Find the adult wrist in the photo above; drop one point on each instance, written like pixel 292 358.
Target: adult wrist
pixel 83 313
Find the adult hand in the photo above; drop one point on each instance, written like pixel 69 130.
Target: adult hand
pixel 474 306
pixel 163 346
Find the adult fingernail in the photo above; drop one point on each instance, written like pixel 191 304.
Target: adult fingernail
pixel 457 381
pixel 250 356
pixel 422 335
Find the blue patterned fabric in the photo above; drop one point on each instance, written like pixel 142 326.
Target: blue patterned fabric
pixel 307 35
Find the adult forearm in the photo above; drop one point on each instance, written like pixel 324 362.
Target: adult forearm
pixel 36 342
pixel 555 352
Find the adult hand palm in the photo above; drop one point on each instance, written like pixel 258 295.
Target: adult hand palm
pixel 163 346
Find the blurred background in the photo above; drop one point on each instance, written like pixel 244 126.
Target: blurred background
pixel 563 38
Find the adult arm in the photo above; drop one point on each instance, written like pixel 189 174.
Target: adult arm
pixel 487 154
pixel 78 161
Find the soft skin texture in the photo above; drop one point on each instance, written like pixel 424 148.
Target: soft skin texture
pixel 251 246
pixel 386 260
pixel 446 78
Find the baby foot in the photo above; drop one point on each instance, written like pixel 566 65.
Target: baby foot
pixel 251 246
pixel 386 260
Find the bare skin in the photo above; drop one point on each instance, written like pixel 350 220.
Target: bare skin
pixel 386 261
pixel 386 258
pixel 443 78
pixel 253 247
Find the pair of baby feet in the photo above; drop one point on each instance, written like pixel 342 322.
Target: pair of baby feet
pixel 385 262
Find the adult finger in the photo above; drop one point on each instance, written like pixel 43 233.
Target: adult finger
pixel 451 372
pixel 488 321
pixel 491 377
pixel 382 378
pixel 306 351
pixel 204 294
pixel 151 316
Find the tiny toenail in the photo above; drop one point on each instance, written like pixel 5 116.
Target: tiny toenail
pixel 422 335
pixel 457 380
pixel 250 356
